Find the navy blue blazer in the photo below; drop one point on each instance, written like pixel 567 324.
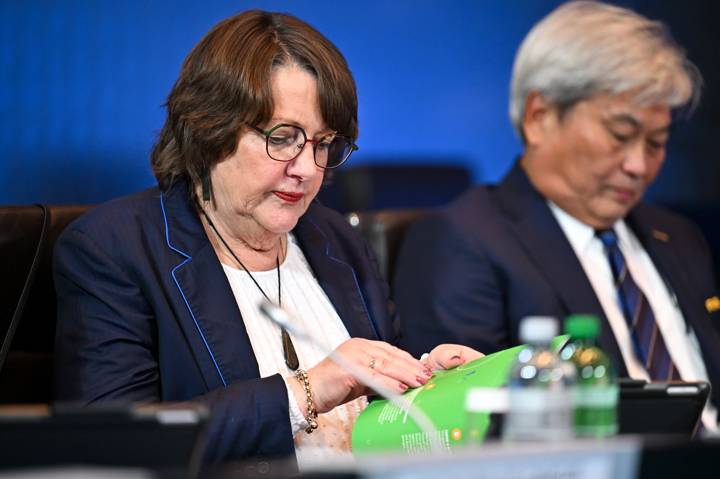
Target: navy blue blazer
pixel 145 313
pixel 471 271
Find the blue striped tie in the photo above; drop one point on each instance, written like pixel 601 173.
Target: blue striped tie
pixel 647 339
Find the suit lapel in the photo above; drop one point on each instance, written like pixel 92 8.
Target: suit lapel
pixel 210 317
pixel 336 277
pixel 545 244
pixel 659 242
pixel 660 247
pixel 208 313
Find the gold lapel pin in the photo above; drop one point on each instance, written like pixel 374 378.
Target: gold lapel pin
pixel 712 304
pixel 661 235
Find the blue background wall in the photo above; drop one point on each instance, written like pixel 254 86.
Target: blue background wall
pixel 82 85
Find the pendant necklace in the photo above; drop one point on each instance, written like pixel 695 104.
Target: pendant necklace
pixel 291 359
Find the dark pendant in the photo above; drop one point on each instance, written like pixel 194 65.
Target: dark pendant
pixel 291 358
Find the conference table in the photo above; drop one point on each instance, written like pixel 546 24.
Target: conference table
pixel 167 442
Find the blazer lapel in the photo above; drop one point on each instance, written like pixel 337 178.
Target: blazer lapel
pixel 545 244
pixel 660 247
pixel 210 317
pixel 660 244
pixel 336 277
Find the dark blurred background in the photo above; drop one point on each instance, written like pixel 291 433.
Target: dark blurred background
pixel 82 85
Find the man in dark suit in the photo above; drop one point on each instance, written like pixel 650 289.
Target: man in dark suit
pixel 566 231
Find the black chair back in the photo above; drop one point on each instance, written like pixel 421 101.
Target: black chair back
pixel 22 236
pixel 384 230
pixel 27 298
pixel 394 186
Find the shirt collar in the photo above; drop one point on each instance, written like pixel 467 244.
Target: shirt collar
pixel 581 236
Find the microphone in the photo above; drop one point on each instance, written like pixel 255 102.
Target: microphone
pixel 280 317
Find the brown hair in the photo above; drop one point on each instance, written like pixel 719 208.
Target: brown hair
pixel 225 83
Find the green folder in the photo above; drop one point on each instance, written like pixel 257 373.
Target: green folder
pixel 383 426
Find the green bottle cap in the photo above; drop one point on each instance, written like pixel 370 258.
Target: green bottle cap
pixel 582 326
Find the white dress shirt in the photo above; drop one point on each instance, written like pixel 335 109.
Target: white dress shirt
pixel 305 300
pixel 681 342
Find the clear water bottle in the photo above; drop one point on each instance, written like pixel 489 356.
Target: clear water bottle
pixel 540 387
pixel 484 410
pixel 595 397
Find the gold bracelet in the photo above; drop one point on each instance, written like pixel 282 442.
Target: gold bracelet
pixel 312 414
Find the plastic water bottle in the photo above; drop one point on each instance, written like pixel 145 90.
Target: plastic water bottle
pixel 595 397
pixel 540 387
pixel 484 410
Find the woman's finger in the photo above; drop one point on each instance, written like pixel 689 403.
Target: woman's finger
pixel 383 360
pixel 448 356
pixel 471 354
pixel 397 371
pixel 390 383
pixel 396 352
pixel 403 358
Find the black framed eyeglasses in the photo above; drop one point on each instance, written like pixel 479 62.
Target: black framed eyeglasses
pixel 285 143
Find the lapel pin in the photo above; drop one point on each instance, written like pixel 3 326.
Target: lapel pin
pixel 712 304
pixel 661 235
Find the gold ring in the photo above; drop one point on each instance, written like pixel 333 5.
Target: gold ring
pixel 372 362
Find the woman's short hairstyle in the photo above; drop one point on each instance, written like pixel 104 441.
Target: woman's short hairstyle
pixel 225 83
pixel 585 48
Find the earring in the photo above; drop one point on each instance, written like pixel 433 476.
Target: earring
pixel 206 187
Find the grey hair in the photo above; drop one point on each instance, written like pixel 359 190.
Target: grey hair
pixel 585 48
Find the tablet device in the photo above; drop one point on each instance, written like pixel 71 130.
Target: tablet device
pixel 672 408
pixel 163 438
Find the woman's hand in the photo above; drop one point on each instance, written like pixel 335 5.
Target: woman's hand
pixel 332 385
pixel 448 356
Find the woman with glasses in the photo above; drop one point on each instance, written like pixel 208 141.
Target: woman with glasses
pixel 158 292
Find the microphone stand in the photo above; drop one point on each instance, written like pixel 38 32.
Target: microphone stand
pixel 280 317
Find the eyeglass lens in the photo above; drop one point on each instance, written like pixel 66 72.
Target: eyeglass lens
pixel 285 142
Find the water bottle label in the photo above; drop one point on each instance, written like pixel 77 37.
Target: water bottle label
pixel 596 396
pixel 530 400
pixel 596 410
pixel 539 414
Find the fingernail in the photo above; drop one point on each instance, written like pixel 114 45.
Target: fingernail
pixel 421 380
pixel 403 386
pixel 428 372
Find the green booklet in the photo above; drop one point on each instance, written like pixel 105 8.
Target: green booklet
pixel 383 426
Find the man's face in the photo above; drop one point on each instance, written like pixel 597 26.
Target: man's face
pixel 598 158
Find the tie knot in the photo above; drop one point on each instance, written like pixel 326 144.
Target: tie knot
pixel 608 237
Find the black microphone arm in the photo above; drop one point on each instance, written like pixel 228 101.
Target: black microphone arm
pixel 280 317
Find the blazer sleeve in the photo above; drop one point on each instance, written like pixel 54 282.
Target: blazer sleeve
pixel 106 349
pixel 447 290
